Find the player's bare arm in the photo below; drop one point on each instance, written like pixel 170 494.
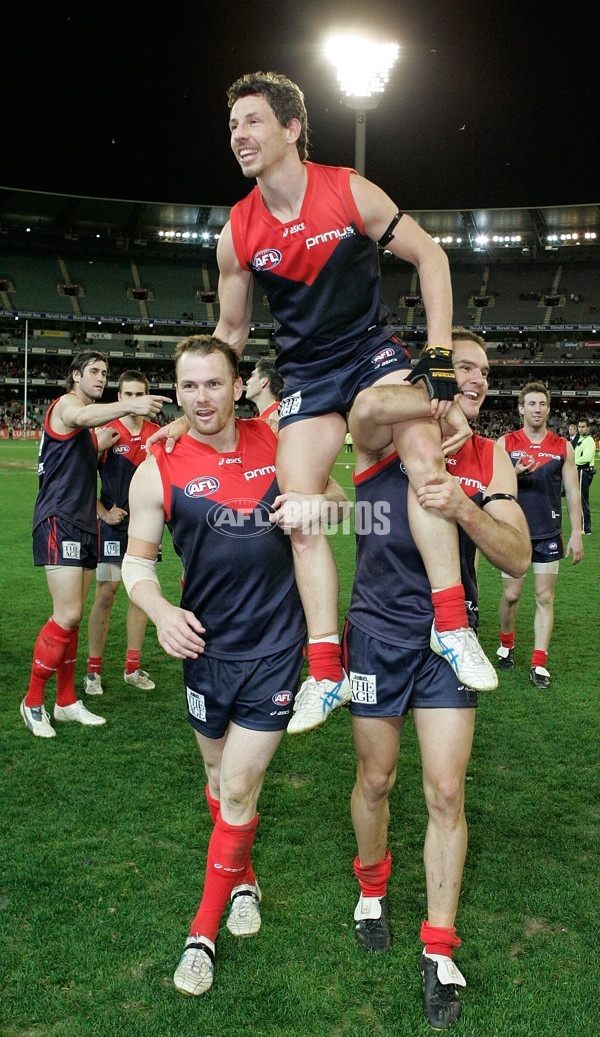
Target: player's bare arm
pixel 178 631
pixel 573 499
pixel 235 295
pixel 411 243
pixel 499 529
pixel 72 412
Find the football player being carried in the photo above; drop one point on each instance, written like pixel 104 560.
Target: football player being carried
pixel 309 235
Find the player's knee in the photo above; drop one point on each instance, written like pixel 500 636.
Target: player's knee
pixel 240 794
pixel 374 782
pixel 445 799
pixel 106 594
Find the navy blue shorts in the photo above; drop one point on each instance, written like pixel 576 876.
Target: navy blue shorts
pixel 56 542
pixel 113 543
pixel 388 680
pixel 336 392
pixel 257 694
pixel 551 550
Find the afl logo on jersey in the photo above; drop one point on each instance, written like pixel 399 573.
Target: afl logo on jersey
pixel 202 486
pixel 384 354
pixel 266 259
pixel 240 517
pixel 124 449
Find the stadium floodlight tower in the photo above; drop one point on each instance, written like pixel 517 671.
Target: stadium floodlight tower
pixel 363 69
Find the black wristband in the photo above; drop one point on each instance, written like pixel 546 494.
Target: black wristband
pixel 388 234
pixel 498 496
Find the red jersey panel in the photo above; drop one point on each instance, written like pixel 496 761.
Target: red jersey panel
pixel 540 491
pixel 238 568
pixel 320 274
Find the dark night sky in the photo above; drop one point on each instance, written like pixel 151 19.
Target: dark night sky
pixel 490 105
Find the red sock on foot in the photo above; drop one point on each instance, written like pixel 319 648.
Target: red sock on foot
pixel 449 608
pixel 94 664
pixel 65 673
pixel 50 649
pixel 539 658
pixel 325 660
pixel 226 863
pixel 507 640
pixel 132 661
pixel 372 878
pixel 439 939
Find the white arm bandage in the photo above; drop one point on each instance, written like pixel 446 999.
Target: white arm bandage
pixel 135 569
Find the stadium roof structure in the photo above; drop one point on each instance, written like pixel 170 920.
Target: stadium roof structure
pixel 127 225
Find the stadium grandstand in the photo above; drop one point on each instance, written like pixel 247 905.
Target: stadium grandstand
pixel 131 277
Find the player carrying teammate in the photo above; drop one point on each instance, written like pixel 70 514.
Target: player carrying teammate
pixel 240 629
pixel 393 671
pixel 117 467
pixel 543 461
pixel 65 530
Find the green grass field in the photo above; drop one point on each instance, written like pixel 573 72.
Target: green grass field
pixel 104 834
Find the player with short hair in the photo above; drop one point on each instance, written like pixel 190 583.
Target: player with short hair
pixel 309 235
pixel 65 530
pixel 116 469
pixel 240 628
pixel 544 462
pixel 393 670
pixel 263 388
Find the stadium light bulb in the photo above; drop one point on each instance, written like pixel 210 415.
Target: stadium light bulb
pixel 362 66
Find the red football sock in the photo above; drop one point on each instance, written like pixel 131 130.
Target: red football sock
pixel 449 608
pixel 132 661
pixel 507 640
pixel 50 649
pixel 248 877
pixel 65 673
pixel 372 878
pixel 226 863
pixel 439 939
pixel 213 804
pixel 325 660
pixel 94 664
pixel 539 658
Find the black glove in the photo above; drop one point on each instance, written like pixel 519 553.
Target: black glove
pixel 436 369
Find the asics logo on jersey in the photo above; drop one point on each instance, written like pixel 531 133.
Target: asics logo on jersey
pixel 201 486
pixel 229 460
pixel 267 470
pixel 293 230
pixel 266 259
pixel 329 235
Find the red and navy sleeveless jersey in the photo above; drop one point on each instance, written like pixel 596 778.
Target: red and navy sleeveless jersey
pixel 320 274
pixel 68 472
pixel 117 466
pixel 540 491
pixel 271 409
pixel 391 595
pixel 238 571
